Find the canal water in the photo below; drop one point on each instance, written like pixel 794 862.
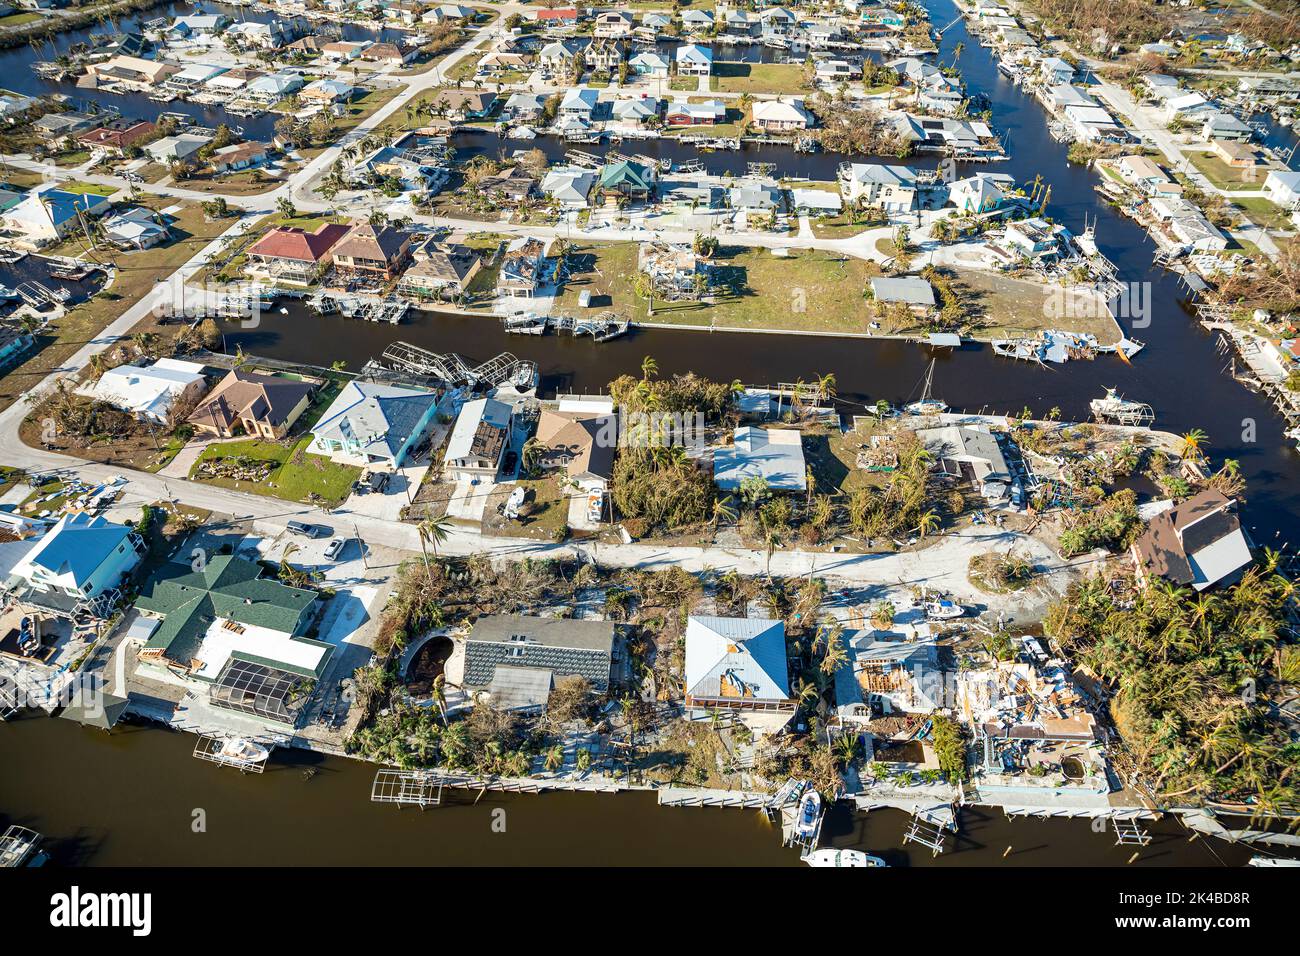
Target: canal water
pixel 18 76
pixel 130 797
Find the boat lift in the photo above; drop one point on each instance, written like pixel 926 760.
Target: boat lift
pixel 929 827
pixel 1129 832
pixel 407 788
pixel 454 370
pixel 209 747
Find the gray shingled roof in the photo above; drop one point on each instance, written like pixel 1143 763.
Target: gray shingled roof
pixel 560 645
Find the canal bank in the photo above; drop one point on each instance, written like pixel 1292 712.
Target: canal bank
pixel 310 809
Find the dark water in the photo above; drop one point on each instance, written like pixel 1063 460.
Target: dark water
pixel 15 66
pixel 146 784
pixel 146 787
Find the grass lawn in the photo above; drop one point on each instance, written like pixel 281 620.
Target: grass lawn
pixel 299 477
pixel 18 19
pixel 808 291
pixel 135 278
pixel 549 517
pixel 1263 212
pixel 76 186
pixel 731 77
pixel 1224 176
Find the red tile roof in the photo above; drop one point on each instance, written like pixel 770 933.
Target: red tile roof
pixel 290 242
pixel 565 13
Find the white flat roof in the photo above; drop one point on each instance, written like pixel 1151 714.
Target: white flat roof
pixel 221 642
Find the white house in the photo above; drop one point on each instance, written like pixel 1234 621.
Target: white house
pixel 479 440
pixel 773 454
pixel 1282 187
pixel 779 116
pixel 80 558
pixel 149 392
pixel 371 424
pixel 694 59
pixel 892 188
pixel 736 664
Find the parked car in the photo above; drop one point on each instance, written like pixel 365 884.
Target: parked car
pixel 596 507
pixel 335 548
pixel 377 480
pixel 308 530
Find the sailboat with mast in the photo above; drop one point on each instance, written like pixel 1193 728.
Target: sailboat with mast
pixel 927 404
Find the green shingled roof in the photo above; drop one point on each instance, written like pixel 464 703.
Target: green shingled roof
pixel 227 587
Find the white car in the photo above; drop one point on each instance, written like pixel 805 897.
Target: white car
pixel 335 548
pixel 596 507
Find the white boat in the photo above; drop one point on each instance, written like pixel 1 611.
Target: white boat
pixel 1121 411
pixel 927 405
pixel 810 813
pixel 20 846
pixel 943 610
pixel 830 857
pixel 240 751
pixel 1258 860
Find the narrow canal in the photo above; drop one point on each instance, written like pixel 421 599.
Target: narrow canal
pixel 129 798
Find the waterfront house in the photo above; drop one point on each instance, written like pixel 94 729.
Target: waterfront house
pixel 525 268
pixel 199 24
pixel 569 186
pixel 1236 154
pixel 649 64
pixel 887 670
pixel 182 147
pixel 369 424
pixel 344 51
pixel 697 21
pixel 80 559
pixel 612 25
pixel 982 193
pixel 911 291
pixel 1282 187
pixel 48 214
pixel 274 87
pixel 740 23
pixel 512 184
pixel 773 454
pixel 57 128
pixel 116 136
pixel 389 54
pixel 971 453
pixel 242 636
pixel 466 105
pixel 625 179
pixel 781 116
pixel 777 21
pixel 694 59
pixel 674 269
pixel 556 17
pixel 517 660
pixel 579 443
pixel 148 392
pixel 192 78
pixel 524 107
pixel 1143 174
pixel 478 440
pixel 1225 126
pixel 373 251
pixel 293 254
pixel 579 102
pixel 892 188
pixel 736 665
pixel 557 58
pixel 1035 238
pixel 1199 542
pixel 259 405
pixel 635 111
pixel 131 70
pixel 1187 225
pixel 754 198
pixel 815 202
pixel 136 227
pixel 326 92
pixel 686 113
pixel 605 55
pixel 440 270
pixel 1054 71
pixel 252 35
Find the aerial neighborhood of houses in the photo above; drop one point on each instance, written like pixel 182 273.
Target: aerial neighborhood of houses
pixel 323 429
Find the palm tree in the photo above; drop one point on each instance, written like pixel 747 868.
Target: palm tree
pixel 826 385
pixel 771 541
pixel 555 758
pixel 881 408
pixel 649 367
pixel 433 531
pixel 1192 442
pixel 723 510
pixel 928 523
